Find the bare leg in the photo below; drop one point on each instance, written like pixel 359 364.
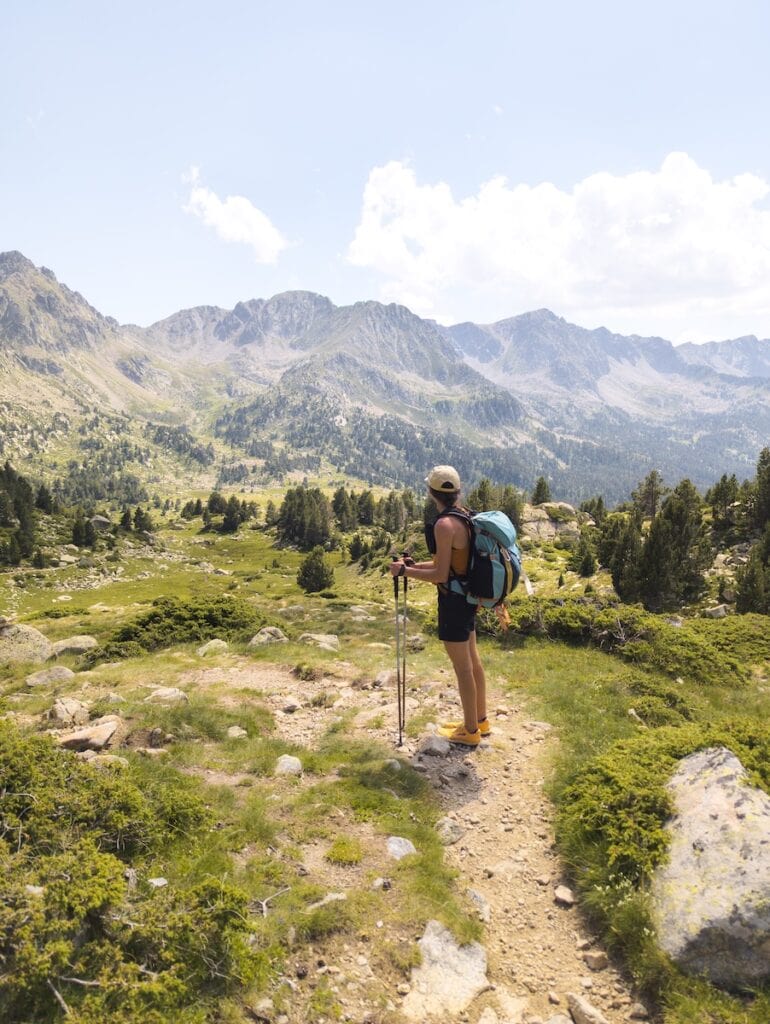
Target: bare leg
pixel 460 656
pixel 479 678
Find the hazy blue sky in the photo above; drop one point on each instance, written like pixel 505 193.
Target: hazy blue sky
pixel 608 160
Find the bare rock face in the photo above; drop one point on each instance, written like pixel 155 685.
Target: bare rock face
pixel 711 899
pixel 448 979
pixel 538 524
pixel 23 643
pixel 68 711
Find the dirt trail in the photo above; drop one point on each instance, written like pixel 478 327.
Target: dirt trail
pixel 537 948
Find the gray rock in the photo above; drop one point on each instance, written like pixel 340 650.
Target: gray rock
pixel 449 831
pixel 385 679
pixel 638 1012
pixel 595 959
pixel 167 695
pixel 268 635
pixel 435 746
pixel 67 711
pixel 564 896
pixel 583 1012
pixel 95 737
pixel 108 761
pixel 100 523
pixel 48 676
pixel 448 979
pixel 212 647
pixel 291 704
pixel 288 765
pixel 559 1019
pixel 711 899
pixel 718 612
pixel 482 905
pixel 157 883
pixel 24 643
pixel 326 641
pixel 73 645
pixel 236 732
pixel 399 847
pixel 415 643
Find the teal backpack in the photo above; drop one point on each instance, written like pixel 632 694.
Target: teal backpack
pixel 494 558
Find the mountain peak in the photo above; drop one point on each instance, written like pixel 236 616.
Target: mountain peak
pixel 14 262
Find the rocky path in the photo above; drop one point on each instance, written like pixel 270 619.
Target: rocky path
pixel 499 829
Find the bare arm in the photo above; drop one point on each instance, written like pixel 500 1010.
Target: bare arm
pixel 436 571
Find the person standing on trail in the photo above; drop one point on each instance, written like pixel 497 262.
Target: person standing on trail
pixel 456 616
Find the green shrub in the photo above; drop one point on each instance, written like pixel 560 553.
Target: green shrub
pixel 174 621
pixel 635 635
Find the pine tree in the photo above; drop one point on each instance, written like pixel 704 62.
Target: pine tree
pixel 481 498
pixel 762 490
pixel 89 534
pixel 232 517
pixel 125 520
pixel 314 573
pixel 583 560
pixel 79 531
pixel 542 492
pixel 624 562
pixel 44 500
pixel 649 494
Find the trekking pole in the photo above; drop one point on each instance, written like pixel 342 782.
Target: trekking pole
pixel 398 657
pixel 402 710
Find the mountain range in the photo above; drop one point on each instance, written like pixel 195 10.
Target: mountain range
pixel 296 384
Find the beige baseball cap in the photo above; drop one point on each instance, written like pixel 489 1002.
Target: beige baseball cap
pixel 443 478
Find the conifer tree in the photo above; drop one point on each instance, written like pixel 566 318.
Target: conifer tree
pixel 649 494
pixel 762 490
pixel 79 531
pixel 542 492
pixel 314 573
pixel 89 534
pixel 44 500
pixel 125 520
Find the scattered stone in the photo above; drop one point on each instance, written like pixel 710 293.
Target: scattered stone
pixel 404 988
pixel 23 643
pixel 268 635
pixel 711 899
pixel 399 847
pixel 583 1012
pixel 34 890
pixel 638 1012
pixel 382 883
pixel 559 1019
pixel 415 643
pixel 595 960
pixel 288 765
pixel 435 746
pixel 236 732
pixel 68 711
pixel 73 645
pixel 152 752
pixel 553 998
pixel 485 911
pixel 290 705
pixel 718 612
pixel 95 737
pixel 157 883
pixel 212 647
pixel 326 641
pixel 47 676
pixel 385 679
pixel 449 977
pixel 564 896
pixel 330 897
pixel 449 831
pixel 167 695
pixel 489 1016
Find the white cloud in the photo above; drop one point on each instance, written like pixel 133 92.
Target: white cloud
pixel 670 251
pixel 235 219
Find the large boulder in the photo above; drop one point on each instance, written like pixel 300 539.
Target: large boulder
pixel 711 899
pixel 73 645
pixel 23 643
pixel 50 676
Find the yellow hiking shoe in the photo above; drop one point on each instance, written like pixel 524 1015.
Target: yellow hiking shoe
pixel 463 738
pixel 449 727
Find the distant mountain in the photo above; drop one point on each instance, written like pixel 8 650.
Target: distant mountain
pixel 291 383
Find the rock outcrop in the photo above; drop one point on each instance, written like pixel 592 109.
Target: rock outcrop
pixel 711 898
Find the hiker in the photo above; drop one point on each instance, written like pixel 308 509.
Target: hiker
pixel 456 616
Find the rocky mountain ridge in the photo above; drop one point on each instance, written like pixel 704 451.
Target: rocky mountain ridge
pixel 529 394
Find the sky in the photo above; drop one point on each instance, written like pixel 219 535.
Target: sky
pixel 609 161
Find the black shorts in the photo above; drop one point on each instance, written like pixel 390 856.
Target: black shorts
pixel 456 617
